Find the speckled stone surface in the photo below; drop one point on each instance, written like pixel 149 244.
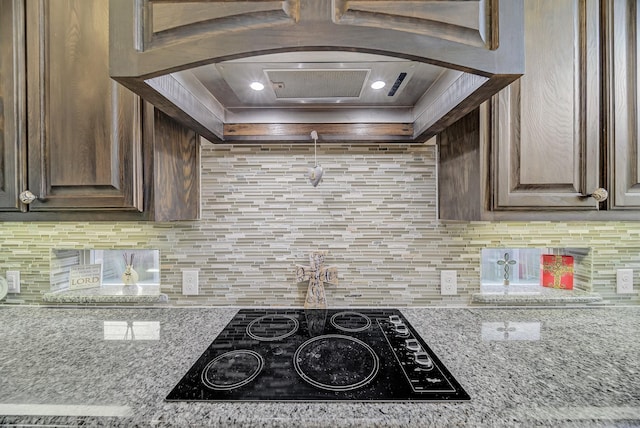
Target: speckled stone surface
pixel 517 295
pixel 109 294
pixel 522 367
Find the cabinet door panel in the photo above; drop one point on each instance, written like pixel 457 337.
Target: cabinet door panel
pixel 546 126
pixel 84 129
pixel 623 64
pixel 12 104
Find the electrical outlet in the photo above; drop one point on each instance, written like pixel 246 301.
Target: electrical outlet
pixel 624 281
pixel 448 282
pixel 190 282
pixel 13 281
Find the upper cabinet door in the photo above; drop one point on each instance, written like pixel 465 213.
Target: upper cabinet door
pixel 622 68
pixel 545 127
pixel 84 132
pixel 12 104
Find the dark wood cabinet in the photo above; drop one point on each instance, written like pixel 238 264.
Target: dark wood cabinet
pixel 622 68
pixel 13 110
pixel 545 128
pixel 566 128
pixel 91 149
pixel 84 133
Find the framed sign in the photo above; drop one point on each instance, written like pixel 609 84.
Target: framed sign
pixel 85 276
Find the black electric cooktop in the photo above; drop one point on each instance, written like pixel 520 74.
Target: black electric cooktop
pixel 318 355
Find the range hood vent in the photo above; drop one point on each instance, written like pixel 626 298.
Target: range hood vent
pixel 316 60
pixel 317 84
pixel 396 84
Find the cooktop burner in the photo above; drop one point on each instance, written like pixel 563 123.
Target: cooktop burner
pixel 318 355
pixel 272 327
pixel 350 321
pixel 352 363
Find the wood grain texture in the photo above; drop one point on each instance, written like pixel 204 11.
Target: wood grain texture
pixel 183 96
pixel 84 129
pixel 85 132
pixel 622 68
pixel 12 105
pixel 314 30
pixel 459 170
pixel 173 158
pixel 443 98
pixel 167 22
pixel 548 132
pixel 166 15
pixel 546 126
pixel 352 131
pixel 171 176
pixel 461 22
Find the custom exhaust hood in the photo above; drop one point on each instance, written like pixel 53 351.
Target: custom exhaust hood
pixel 353 70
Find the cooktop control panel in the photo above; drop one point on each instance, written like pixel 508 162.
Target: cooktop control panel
pixel 420 371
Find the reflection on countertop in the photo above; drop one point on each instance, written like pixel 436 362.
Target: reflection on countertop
pixel 510 330
pixel 131 330
pixel 556 367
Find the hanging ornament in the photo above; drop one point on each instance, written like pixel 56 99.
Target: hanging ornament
pixel 315 173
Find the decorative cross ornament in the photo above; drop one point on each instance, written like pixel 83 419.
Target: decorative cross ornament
pixel 507 267
pixel 557 268
pixel 317 274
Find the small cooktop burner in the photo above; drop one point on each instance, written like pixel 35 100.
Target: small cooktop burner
pixel 350 321
pixel 318 355
pixel 232 369
pixel 272 327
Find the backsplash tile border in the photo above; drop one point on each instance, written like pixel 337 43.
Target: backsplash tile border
pixel 375 212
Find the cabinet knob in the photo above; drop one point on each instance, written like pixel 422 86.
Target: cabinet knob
pixel 27 197
pixel 600 194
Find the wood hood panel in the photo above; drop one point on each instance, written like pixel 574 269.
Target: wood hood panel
pixel 441 60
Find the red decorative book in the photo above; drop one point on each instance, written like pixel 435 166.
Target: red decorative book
pixel 557 271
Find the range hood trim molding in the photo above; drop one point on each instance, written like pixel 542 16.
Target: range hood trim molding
pixel 148 73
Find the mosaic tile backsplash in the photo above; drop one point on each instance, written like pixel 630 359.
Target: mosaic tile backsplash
pixel 374 212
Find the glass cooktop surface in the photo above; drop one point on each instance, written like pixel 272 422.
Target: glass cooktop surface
pixel 318 355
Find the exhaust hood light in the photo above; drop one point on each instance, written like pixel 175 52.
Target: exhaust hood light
pixel 378 84
pixel 256 86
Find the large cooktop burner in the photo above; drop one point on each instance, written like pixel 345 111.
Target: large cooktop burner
pixel 335 362
pixel 318 355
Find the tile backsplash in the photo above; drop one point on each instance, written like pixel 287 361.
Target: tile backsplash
pixel 374 212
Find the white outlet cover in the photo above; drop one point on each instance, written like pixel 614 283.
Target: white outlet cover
pixel 448 282
pixel 190 282
pixel 13 281
pixel 624 281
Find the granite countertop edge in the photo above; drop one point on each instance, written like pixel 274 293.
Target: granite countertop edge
pixel 81 296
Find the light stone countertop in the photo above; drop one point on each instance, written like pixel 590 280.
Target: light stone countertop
pixel 533 295
pixel 146 294
pixel 522 367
